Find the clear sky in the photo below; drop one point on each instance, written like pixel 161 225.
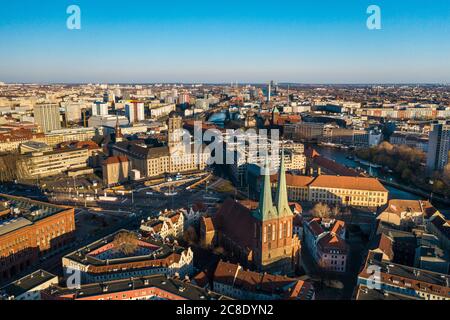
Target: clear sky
pixel 301 41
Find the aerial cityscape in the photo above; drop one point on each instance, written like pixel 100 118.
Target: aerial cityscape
pixel 197 187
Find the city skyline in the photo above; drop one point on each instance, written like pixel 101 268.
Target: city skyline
pixel 201 42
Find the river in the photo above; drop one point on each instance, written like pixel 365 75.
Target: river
pixel 340 156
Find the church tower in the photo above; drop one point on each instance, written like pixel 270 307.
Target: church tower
pixel 281 198
pixel 118 136
pixel 277 248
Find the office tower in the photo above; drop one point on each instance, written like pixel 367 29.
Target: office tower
pixel 47 116
pixel 184 98
pixel 269 90
pixel 99 109
pixel 175 130
pixel 134 111
pixel 72 111
pixel 438 146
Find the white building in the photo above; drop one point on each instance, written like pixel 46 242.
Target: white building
pixel 99 109
pixel 134 111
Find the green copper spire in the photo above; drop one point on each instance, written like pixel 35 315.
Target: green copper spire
pixel 266 210
pixel 281 199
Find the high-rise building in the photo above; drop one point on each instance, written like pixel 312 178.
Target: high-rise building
pixel 134 111
pixel 99 109
pixel 184 98
pixel 47 116
pixel 438 146
pixel 72 111
pixel 175 130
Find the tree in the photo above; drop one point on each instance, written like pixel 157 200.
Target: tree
pixel 446 174
pixel 126 242
pixel 321 210
pixel 190 235
pixel 11 167
pixel 219 251
pixel 386 146
pixel 336 212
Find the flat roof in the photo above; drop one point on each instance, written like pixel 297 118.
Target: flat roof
pixel 174 286
pixel 24 212
pixel 364 293
pixel 27 283
pixel 12 224
pixel 84 255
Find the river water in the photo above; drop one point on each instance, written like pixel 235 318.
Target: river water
pixel 340 156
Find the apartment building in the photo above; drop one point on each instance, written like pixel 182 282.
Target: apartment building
pixel 439 146
pixel 28 287
pixel 168 224
pixel 234 281
pixel 325 240
pixel 406 282
pixel 153 287
pixel 47 116
pixel 103 260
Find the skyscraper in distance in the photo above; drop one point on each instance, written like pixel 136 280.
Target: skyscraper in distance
pixel 438 146
pixel 134 111
pixel 47 116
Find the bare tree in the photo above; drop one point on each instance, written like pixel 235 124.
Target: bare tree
pixel 446 174
pixel 10 167
pixel 126 242
pixel 336 212
pixel 219 250
pixel 321 210
pixel 190 235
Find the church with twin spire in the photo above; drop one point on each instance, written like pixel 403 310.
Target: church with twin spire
pixel 259 235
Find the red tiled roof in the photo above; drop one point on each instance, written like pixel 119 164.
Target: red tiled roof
pixel 316 227
pixel 225 272
pixel 294 180
pixel 339 182
pixel 337 226
pixel 386 246
pixel 285 287
pixel 331 241
pixel 227 217
pixel 335 167
pixel 201 279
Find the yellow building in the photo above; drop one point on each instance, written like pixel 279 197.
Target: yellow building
pixel 336 190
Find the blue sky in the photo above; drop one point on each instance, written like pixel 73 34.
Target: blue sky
pixel 221 41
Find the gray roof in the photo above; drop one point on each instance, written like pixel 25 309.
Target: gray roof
pixel 174 286
pixel 12 224
pixel 27 283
